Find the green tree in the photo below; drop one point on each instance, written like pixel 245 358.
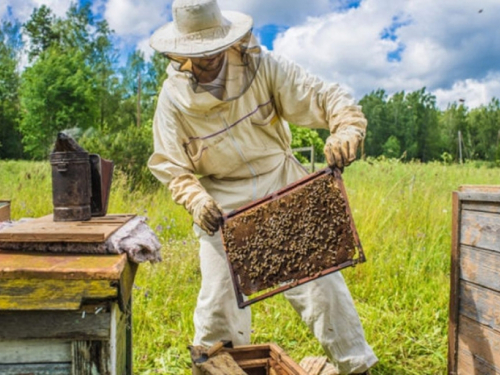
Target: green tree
pixel 57 94
pixel 41 31
pixel 10 44
pixel 484 124
pixel 452 121
pixel 305 137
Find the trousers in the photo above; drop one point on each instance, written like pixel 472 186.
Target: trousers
pixel 324 304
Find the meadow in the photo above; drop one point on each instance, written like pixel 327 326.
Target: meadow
pixel 403 216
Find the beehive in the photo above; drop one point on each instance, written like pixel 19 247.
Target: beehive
pixel 295 235
pixel 474 324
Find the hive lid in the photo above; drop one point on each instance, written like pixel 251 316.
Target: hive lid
pixel 44 229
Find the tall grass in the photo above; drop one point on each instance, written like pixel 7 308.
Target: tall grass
pixel 403 216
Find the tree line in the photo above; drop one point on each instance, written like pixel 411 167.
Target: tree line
pixel 71 79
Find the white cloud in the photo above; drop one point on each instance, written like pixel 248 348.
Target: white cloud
pixel 282 12
pixel 438 44
pixel 22 9
pixel 135 19
pixel 473 92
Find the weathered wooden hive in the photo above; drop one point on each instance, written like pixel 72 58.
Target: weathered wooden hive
pixel 474 324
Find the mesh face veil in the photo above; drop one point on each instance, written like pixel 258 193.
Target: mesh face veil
pixel 238 66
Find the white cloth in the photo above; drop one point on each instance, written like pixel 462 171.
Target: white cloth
pixel 241 151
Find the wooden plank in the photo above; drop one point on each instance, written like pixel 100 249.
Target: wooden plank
pixel 88 324
pixel 61 266
pixel 480 229
pixel 492 197
pixel 481 267
pixel 44 229
pixel 91 358
pixel 36 294
pixel 126 284
pixel 4 210
pixel 34 351
pixel 469 364
pixel 482 206
pixel 37 369
pixel 479 340
pixel 480 304
pixel 454 286
pixel 492 189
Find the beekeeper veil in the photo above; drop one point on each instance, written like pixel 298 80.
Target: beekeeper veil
pixel 202 38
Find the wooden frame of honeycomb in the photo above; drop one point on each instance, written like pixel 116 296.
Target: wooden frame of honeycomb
pixel 295 235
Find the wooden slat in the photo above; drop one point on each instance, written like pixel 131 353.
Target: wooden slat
pixel 4 210
pixel 36 294
pixel 481 267
pixel 493 197
pixel 44 229
pixel 71 325
pixel 91 358
pixel 479 340
pixel 491 189
pixel 454 286
pixel 34 351
pixel 480 229
pixel 480 304
pixel 37 369
pixel 481 206
pixel 61 266
pixel 471 365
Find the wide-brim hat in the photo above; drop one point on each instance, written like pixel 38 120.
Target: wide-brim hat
pixel 200 28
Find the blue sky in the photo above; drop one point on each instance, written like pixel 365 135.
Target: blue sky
pixel 451 47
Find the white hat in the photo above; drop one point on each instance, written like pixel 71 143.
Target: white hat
pixel 200 28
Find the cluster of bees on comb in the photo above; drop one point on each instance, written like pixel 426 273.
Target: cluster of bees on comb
pixel 292 237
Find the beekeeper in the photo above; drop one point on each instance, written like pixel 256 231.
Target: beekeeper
pixel 221 140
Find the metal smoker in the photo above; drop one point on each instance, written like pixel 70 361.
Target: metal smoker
pixel 81 181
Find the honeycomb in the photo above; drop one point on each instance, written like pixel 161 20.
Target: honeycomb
pixel 293 236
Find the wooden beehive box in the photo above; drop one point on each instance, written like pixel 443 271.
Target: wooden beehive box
pixel 265 359
pixel 65 314
pixel 295 235
pixel 474 324
pixel 4 210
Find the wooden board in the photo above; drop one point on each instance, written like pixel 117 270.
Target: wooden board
pixel 85 324
pixel 63 281
pixel 44 229
pixel 4 210
pixel 474 325
pixel 40 351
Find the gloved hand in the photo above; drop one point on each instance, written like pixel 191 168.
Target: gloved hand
pixel 207 214
pixel 340 149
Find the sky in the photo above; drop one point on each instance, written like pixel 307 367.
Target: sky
pixel 450 47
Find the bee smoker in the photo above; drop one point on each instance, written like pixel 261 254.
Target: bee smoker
pixel 80 181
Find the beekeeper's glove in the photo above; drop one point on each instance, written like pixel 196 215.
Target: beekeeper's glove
pixel 340 148
pixel 207 214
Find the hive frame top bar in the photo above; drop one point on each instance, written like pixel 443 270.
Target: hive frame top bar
pixel 336 173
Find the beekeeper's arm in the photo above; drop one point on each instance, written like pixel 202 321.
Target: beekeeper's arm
pixel 305 100
pixel 170 164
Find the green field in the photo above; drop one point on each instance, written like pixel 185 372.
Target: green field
pixel 403 216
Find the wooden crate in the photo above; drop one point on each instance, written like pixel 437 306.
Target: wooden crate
pixel 4 210
pixel 65 314
pixel 265 359
pixel 474 324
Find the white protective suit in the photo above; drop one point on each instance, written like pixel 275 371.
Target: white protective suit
pixel 241 150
